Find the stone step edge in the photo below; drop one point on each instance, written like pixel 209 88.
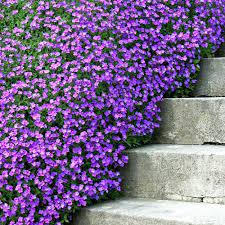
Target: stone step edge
pixel 198 98
pixel 206 149
pixel 210 200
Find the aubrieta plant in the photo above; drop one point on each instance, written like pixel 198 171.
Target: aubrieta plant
pixel 81 80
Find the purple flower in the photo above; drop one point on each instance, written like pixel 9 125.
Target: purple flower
pixel 76 80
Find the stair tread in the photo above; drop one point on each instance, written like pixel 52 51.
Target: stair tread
pixel 151 211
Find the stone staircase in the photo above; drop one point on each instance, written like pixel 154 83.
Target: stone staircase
pixel 180 179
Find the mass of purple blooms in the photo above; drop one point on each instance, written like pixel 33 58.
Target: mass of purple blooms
pixel 77 80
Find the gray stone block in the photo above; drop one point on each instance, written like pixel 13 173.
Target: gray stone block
pixel 178 172
pixel 152 212
pixel 191 121
pixel 211 81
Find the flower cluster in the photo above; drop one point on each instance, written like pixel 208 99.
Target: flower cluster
pixel 79 79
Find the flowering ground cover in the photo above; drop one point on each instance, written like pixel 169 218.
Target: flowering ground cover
pixel 79 82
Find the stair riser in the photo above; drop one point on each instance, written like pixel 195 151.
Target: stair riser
pixel 186 177
pixel 151 212
pixel 211 81
pixel 191 121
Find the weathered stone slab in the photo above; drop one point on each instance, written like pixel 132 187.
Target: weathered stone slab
pixel 211 81
pixel 152 212
pixel 191 121
pixel 178 172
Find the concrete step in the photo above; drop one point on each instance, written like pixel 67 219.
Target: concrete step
pixel 211 81
pixel 152 212
pixel 191 121
pixel 178 172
